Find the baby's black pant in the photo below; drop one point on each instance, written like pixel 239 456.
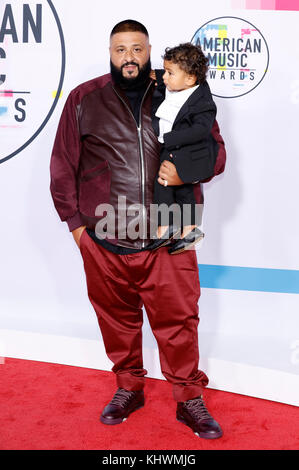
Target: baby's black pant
pixel 182 195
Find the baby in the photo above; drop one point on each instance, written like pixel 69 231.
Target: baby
pixel 183 122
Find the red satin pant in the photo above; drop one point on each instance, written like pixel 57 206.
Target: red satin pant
pixel 168 287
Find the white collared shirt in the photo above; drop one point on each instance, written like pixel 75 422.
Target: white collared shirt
pixel 169 108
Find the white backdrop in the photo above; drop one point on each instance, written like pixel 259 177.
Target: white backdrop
pixel 249 260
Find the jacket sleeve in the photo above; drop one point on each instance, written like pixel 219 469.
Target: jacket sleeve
pixel 221 152
pixel 64 165
pixel 202 123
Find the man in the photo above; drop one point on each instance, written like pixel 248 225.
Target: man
pixel 105 148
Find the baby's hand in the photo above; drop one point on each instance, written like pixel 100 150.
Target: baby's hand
pixel 153 75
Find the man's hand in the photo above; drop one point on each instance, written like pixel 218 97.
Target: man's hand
pixel 77 234
pixel 168 172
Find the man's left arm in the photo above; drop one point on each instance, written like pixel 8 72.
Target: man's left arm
pixel 168 170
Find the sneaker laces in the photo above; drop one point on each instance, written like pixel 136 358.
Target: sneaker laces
pixel 122 397
pixel 198 409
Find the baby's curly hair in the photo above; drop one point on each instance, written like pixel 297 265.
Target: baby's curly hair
pixel 189 58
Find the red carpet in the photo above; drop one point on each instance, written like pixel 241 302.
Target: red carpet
pixel 55 407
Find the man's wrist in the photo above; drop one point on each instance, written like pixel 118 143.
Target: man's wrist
pixel 74 222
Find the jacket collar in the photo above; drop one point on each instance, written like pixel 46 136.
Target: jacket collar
pixel 189 103
pixel 122 93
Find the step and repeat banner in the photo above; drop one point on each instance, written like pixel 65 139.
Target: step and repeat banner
pixel 249 258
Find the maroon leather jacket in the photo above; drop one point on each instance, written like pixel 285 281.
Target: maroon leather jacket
pixel 100 154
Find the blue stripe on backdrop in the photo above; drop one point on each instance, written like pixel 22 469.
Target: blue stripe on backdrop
pixel 253 279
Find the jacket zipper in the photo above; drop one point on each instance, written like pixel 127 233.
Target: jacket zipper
pixel 140 144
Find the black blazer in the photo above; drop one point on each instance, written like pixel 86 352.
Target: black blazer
pixel 190 141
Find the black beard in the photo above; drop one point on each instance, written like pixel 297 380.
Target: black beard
pixel 131 83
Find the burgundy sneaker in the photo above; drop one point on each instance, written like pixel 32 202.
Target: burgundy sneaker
pixel 122 404
pixel 194 414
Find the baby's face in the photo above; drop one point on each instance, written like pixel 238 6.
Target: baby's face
pixel 176 79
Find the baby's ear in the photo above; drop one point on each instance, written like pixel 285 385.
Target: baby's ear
pixel 192 79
